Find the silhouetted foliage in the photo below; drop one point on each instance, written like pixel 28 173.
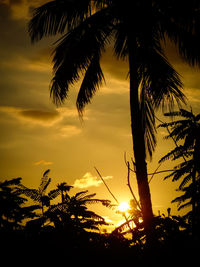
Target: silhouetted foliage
pixel 38 195
pixel 137 30
pixel 69 228
pixel 12 209
pixel 187 131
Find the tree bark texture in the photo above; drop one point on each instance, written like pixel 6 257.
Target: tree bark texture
pixel 137 128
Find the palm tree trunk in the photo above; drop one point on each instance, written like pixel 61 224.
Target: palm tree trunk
pixel 138 141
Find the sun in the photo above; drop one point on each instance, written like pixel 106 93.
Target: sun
pixel 123 206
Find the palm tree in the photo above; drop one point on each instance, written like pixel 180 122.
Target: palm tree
pixel 64 187
pixel 73 212
pixel 186 129
pixel 77 208
pixel 136 29
pixel 39 195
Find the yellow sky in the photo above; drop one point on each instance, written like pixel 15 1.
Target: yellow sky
pixel 37 135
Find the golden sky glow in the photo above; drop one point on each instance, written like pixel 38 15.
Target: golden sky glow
pixel 37 135
pixel 123 206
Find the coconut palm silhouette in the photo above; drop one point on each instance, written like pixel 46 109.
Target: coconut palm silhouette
pixel 136 29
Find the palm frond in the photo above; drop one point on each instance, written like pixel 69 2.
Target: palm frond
pixel 44 181
pixel 185 205
pixel 107 203
pixel 31 193
pixel 87 198
pixel 92 80
pixel 164 82
pixel 181 113
pixel 45 174
pixel 188 45
pixel 172 114
pixel 11 182
pixel 78 52
pixel 187 114
pixel 120 46
pixel 179 132
pixel 181 24
pixel 64 187
pixel 54 193
pixel 174 154
pixel 55 16
pixel 180 170
pixel 180 199
pixel 186 180
pixel 148 122
pixel 172 124
pixel 80 194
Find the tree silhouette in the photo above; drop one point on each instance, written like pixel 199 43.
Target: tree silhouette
pixel 69 231
pixel 73 213
pixel 64 187
pixel 136 29
pixel 12 209
pixel 39 195
pixel 187 129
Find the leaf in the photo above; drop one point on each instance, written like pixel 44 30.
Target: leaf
pixel 77 53
pixel 44 181
pixel 92 80
pixel 55 16
pixel 54 193
pixel 11 182
pixel 46 173
pixel 31 193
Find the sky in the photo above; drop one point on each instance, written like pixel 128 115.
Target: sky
pixel 36 135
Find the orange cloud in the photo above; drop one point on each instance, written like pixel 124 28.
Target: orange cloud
pixel 43 162
pixel 39 115
pixel 69 130
pixel 88 180
pixel 43 117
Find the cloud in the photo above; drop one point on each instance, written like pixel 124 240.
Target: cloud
pixel 61 120
pixel 112 66
pixel 43 117
pixel 69 131
pixel 68 112
pixel 39 115
pixel 43 162
pixel 114 86
pixel 88 180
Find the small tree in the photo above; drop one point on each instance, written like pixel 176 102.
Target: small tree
pixel 187 130
pixel 73 211
pixel 39 195
pixel 12 209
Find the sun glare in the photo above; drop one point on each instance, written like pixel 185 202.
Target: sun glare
pixel 123 206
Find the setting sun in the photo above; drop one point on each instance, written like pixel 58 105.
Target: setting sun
pixel 123 206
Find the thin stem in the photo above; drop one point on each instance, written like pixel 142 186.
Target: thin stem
pixel 129 185
pixel 106 185
pixel 123 214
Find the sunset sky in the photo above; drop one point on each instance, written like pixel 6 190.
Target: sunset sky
pixel 36 135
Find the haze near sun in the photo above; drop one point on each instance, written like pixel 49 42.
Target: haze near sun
pixel 123 206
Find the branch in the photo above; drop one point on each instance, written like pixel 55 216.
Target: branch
pixel 176 144
pixel 106 185
pixel 129 185
pixel 124 215
pixel 153 173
